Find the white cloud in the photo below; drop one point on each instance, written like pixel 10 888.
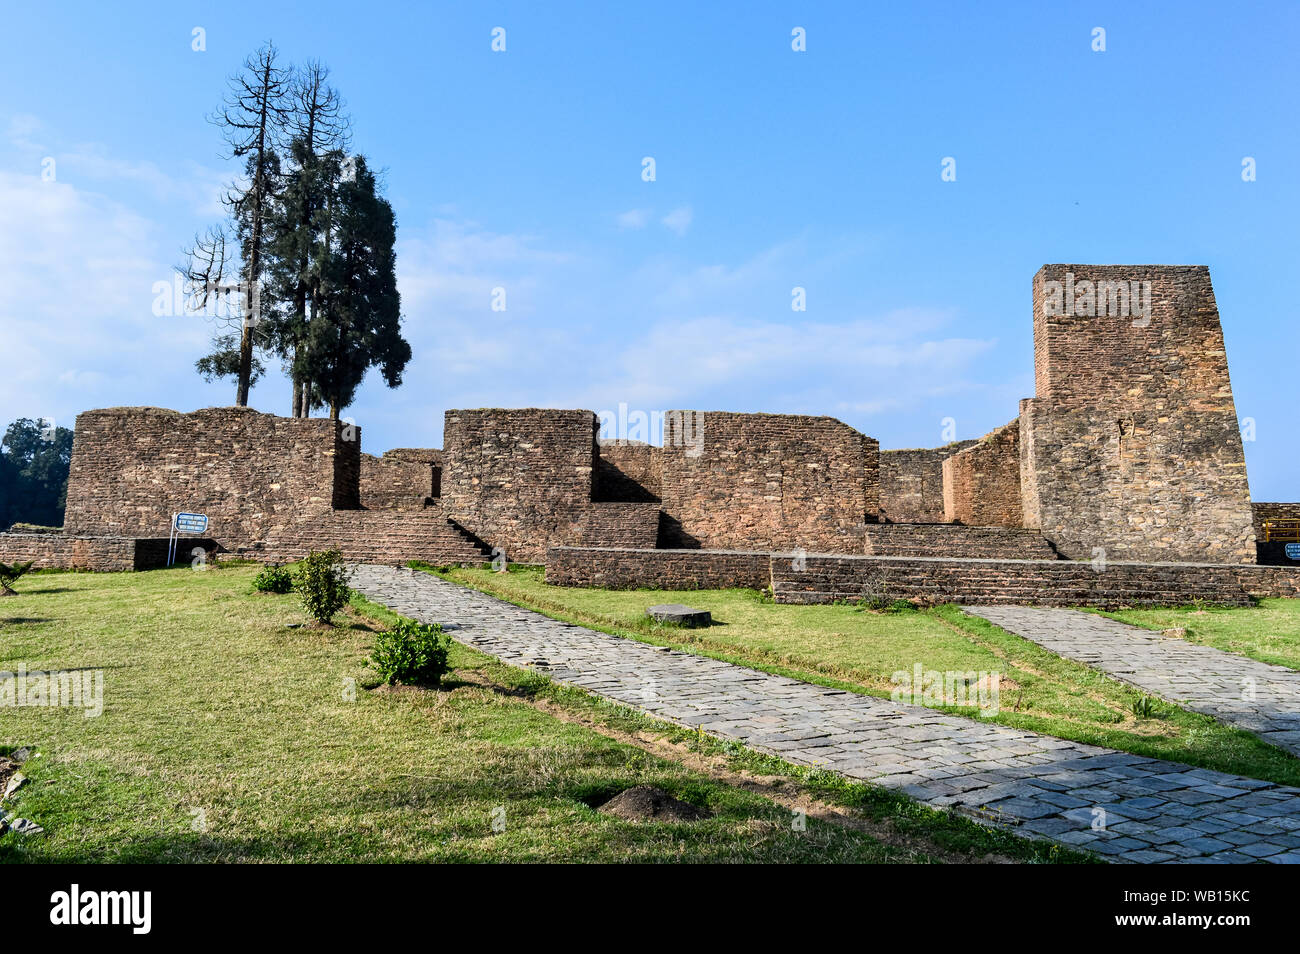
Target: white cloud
pixel 634 219
pixel 77 269
pixel 678 220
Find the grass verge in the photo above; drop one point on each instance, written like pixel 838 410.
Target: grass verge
pixel 850 648
pixel 231 731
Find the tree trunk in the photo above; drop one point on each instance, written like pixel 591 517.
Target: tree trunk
pixel 245 363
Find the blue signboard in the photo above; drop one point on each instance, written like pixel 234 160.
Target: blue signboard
pixel 184 523
pixel 190 523
pixel 1293 551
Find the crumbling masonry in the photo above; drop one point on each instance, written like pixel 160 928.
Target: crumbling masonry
pixel 1128 454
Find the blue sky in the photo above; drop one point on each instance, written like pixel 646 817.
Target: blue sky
pixel 774 169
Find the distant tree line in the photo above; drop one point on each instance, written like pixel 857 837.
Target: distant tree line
pixel 34 461
pixel 308 244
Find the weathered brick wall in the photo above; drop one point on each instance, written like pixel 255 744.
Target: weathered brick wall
pixel 395 482
pixel 826 579
pixel 133 467
pixel 981 484
pixel 605 524
pixel 101 554
pixel 421 455
pixel 629 471
pixel 955 540
pixel 518 479
pixel 911 483
pixel 760 481
pixel 629 569
pixel 1132 443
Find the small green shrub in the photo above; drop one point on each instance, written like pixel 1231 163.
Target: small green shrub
pixel 10 572
pixel 322 584
pixel 273 579
pixel 1145 707
pixel 411 652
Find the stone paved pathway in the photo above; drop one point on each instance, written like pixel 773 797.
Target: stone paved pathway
pixel 1041 786
pixel 1238 690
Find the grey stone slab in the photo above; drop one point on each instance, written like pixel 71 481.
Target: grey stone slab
pixel 1235 689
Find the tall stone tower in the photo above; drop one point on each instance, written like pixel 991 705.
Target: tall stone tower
pixel 1131 445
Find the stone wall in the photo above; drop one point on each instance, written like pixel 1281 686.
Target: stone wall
pixel 911 483
pixel 981 484
pixel 827 579
pixel 604 524
pixel 251 473
pixel 518 479
pixel 398 480
pixel 759 481
pixel 1131 444
pixel 629 569
pixel 955 540
pixel 65 551
pixel 628 471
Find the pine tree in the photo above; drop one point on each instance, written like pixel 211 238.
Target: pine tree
pixel 356 321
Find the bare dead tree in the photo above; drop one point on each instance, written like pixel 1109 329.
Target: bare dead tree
pixel 317 125
pixel 255 108
pixel 207 267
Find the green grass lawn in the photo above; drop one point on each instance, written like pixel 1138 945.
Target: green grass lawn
pixel 852 648
pixel 1269 632
pixel 228 734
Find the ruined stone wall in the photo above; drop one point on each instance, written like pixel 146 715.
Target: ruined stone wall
pixel 133 467
pixel 396 481
pixel 981 484
pixel 828 579
pixel 629 471
pixel 432 456
pixel 1132 442
pixel 759 481
pixel 518 479
pixel 65 551
pixel 627 569
pixel 605 524
pixel 953 540
pixel 911 483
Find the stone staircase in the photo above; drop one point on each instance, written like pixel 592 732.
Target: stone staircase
pixel 956 541
pixel 391 537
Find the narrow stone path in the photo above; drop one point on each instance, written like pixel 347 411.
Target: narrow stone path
pixel 1241 691
pixel 1125 806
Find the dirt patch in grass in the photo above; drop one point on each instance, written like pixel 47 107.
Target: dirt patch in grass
pixel 778 789
pixel 643 803
pixel 7 769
